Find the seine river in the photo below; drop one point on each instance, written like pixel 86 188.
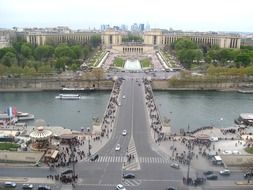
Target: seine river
pixel 183 108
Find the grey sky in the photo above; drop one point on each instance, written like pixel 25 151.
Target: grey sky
pixel 195 15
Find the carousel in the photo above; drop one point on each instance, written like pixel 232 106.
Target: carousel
pixel 40 138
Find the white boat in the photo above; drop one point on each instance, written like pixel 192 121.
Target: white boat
pixel 23 116
pixel 68 96
pixel 77 89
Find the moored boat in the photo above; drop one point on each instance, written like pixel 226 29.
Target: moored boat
pixel 68 96
pixel 23 116
pixel 245 119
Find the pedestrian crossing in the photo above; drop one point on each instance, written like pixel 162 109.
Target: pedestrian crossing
pixel 153 160
pixel 131 182
pixel 123 159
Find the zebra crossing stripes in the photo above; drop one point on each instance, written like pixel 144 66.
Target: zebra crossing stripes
pixel 131 182
pixel 122 159
pixel 119 159
pixel 153 160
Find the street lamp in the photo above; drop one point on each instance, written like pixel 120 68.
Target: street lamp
pixel 189 156
pixel 89 147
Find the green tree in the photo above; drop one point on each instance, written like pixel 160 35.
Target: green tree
pixel 43 52
pixel 243 59
pixel 185 43
pixel 26 51
pixel 9 59
pixel 3 51
pixel 95 40
pixel 64 50
pixel 77 49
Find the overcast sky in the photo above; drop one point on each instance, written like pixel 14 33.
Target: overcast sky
pixel 194 15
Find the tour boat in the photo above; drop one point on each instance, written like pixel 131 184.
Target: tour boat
pixel 245 119
pixel 68 96
pixel 77 89
pixel 23 116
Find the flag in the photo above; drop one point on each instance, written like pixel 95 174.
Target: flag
pixel 9 111
pixel 14 111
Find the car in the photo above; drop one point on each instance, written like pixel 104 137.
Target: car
pixel 171 188
pixel 44 187
pixel 199 181
pixel 175 165
pixel 117 148
pixel 94 157
pixel 212 177
pixel 225 172
pixel 27 186
pixel 120 187
pixel 227 152
pixel 208 172
pixel 10 184
pixel 123 96
pixel 128 176
pixel 124 132
pixel 248 174
pixel 214 139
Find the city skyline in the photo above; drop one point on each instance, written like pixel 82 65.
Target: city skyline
pixel 194 15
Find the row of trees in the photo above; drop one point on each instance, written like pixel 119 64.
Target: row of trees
pixel 188 52
pixel 24 58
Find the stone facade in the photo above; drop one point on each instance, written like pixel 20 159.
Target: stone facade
pixel 160 38
pixel 56 38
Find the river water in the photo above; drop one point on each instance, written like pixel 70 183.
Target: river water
pixel 183 108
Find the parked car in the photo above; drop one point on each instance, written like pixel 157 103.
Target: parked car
pixel 120 187
pixel 10 184
pixel 44 187
pixel 208 172
pixel 225 172
pixel 27 186
pixel 175 165
pixel 248 174
pixel 199 181
pixel 171 188
pixel 129 176
pixel 117 148
pixel 123 96
pixel 212 177
pixel 124 132
pixel 94 157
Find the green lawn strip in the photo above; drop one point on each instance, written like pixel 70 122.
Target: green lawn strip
pixel 249 150
pixel 119 62
pixel 145 63
pixel 8 146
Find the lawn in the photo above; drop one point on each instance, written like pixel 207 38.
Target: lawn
pixel 249 150
pixel 145 63
pixel 119 62
pixel 8 146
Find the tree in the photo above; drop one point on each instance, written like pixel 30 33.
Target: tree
pixel 9 59
pixel 3 51
pixel 43 52
pixel 77 49
pixel 64 50
pixel 185 43
pixel 243 59
pixel 26 51
pixel 98 73
pixel 95 40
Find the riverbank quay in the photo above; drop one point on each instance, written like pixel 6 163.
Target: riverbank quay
pixel 205 143
pixel 54 83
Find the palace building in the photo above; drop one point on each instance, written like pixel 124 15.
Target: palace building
pixel 112 39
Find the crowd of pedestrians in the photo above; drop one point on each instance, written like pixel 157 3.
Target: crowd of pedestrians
pixel 109 115
pixel 155 121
